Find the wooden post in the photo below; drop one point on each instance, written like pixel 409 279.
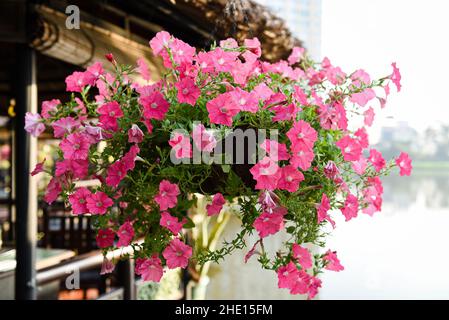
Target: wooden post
pixel 125 269
pixel 25 188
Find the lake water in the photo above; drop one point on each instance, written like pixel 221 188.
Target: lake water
pixel 400 253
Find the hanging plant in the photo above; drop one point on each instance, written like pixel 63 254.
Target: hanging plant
pixel 151 148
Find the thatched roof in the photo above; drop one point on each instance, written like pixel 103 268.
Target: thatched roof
pixel 124 28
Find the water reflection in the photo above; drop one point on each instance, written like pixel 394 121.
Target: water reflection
pixel 397 254
pixel 430 186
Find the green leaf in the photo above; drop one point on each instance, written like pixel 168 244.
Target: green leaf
pixel 290 229
pixel 189 224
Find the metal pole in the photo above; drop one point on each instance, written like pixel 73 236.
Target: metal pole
pixel 126 275
pixel 26 195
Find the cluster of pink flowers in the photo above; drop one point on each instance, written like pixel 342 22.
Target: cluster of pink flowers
pixel 123 138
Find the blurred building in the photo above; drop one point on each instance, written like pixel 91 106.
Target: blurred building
pixel 303 17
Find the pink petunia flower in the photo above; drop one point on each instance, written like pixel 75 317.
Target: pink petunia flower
pixel 246 101
pixel 322 210
pixel 129 159
pixel 369 116
pixel 109 113
pixel 78 80
pixel 333 117
pixel 150 269
pixel 351 207
pixel 188 92
pixel 168 195
pixel 33 124
pixel 253 45
pixel 302 255
pixel 302 134
pixel 350 148
pixel 335 75
pixel 94 134
pixel 396 76
pixel 148 124
pixel 267 173
pixel 275 99
pixel 270 223
pixel 77 168
pixel 107 266
pixel 217 204
pixel 375 157
pixel 64 126
pixel 373 195
pixel 315 76
pixel 224 61
pixel 301 286
pixel 268 200
pixel 98 203
pixel 182 52
pixel 275 151
pixel 188 70
pixel 360 165
pixel 221 109
pixel 331 170
pixel 228 43
pixel 143 69
pixel 53 190
pixel 314 285
pixel 154 106
pixel 177 254
pixel 75 146
pixel 332 262
pixel 96 69
pixel 205 62
pixel 302 156
pixel 135 134
pixel 404 162
pixel 300 96
pixel 241 71
pixel 284 113
pixel 290 178
pixel 362 98
pixel 116 173
pixel 171 223
pixel 297 281
pixel 362 138
pixel 203 139
pixel 38 168
pixel 80 109
pixel 181 145
pixel 252 251
pixel 287 276
pixel 78 200
pixel 160 41
pixel 296 55
pixel 105 238
pixel 360 77
pixel 262 91
pixel 125 234
pixel 49 108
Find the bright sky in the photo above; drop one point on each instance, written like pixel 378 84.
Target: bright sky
pixel 370 34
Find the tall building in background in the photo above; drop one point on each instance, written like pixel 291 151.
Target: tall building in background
pixel 303 18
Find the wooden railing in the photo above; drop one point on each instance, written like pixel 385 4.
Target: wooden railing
pixel 94 259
